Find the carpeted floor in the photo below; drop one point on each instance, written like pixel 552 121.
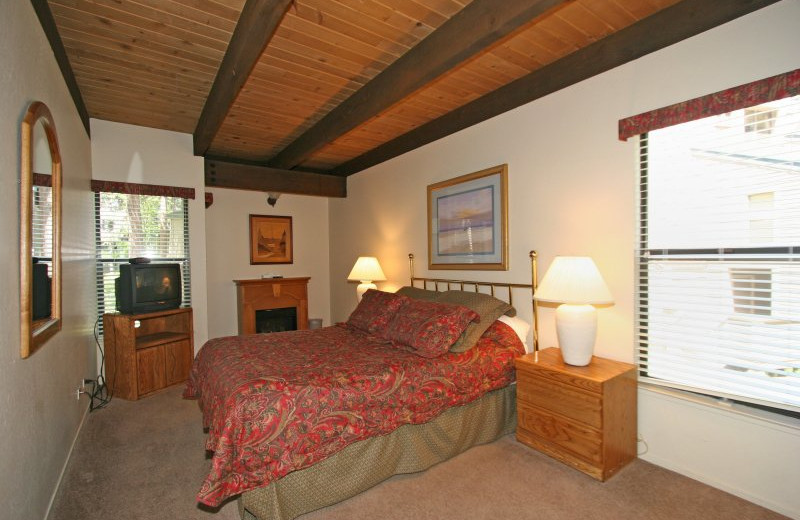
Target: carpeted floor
pixel 145 460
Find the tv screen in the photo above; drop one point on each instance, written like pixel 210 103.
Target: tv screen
pixel 148 287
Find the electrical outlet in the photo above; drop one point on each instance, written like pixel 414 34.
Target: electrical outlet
pixel 78 393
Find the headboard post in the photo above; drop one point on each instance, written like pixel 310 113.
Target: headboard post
pixel 534 285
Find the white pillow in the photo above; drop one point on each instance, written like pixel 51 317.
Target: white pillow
pixel 520 326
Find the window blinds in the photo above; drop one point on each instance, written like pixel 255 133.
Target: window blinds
pixel 42 224
pixel 718 291
pixel 132 225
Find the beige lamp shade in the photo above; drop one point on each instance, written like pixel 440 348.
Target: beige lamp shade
pixel 366 271
pixel 574 280
pixel 575 283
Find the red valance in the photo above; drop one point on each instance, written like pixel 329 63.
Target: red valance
pixel 748 95
pixel 130 188
pixel 42 179
pixel 209 199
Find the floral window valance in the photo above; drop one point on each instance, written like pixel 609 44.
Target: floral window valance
pixel 751 94
pixel 131 188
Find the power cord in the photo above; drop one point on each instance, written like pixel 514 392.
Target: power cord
pixel 100 395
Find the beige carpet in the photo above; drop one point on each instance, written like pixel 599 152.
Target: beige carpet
pixel 145 460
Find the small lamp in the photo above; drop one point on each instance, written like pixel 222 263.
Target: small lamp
pixel 366 271
pixel 575 282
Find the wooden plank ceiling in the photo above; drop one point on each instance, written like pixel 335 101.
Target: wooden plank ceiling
pixel 334 86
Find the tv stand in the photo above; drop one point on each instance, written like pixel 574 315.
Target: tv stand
pixel 147 352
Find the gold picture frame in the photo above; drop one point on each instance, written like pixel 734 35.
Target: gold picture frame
pixel 271 240
pixel 468 221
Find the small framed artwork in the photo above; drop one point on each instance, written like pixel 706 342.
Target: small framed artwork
pixel 270 240
pixel 468 221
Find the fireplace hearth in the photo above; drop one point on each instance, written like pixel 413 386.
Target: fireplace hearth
pixel 272 304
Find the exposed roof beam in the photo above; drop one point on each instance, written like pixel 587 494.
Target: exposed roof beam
pixel 476 27
pixel 664 28
pixel 257 23
pixel 48 24
pixel 222 173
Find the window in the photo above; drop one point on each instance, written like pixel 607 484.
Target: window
pixel 143 223
pixel 718 257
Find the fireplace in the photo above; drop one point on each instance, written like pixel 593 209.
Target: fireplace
pixel 276 320
pixel 272 304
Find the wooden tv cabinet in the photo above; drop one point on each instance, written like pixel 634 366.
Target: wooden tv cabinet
pixel 147 352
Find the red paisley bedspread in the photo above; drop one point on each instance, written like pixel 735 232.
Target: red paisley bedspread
pixel 284 401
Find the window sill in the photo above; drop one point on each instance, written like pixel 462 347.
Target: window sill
pixel 725 405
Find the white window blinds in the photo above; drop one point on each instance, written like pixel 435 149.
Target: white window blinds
pixel 132 225
pixel 42 222
pixel 718 293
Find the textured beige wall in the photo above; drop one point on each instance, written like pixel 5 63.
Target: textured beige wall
pixel 228 251
pixel 572 188
pixel 39 414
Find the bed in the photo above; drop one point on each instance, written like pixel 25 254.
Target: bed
pixel 304 419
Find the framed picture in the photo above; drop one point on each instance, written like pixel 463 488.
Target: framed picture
pixel 270 240
pixel 468 221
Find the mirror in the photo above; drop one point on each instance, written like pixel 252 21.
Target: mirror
pixel 40 229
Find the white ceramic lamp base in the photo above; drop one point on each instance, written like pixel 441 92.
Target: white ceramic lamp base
pixel 576 326
pixel 363 287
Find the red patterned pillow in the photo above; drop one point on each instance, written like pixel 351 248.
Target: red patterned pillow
pixel 429 328
pixel 375 310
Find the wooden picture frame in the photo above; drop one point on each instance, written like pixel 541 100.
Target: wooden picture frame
pixel 468 221
pixel 271 240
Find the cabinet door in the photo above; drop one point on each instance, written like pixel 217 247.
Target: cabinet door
pixel 178 361
pixel 150 369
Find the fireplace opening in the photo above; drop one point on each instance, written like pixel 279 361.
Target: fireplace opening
pixel 276 320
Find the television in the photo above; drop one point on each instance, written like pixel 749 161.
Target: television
pixel 148 287
pixel 41 291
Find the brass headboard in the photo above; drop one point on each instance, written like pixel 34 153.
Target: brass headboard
pixel 476 286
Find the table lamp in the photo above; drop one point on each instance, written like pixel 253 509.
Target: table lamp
pixel 366 271
pixel 575 283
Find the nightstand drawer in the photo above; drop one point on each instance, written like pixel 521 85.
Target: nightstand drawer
pixel 580 440
pixel 566 400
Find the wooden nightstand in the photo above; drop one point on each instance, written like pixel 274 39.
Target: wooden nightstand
pixel 582 416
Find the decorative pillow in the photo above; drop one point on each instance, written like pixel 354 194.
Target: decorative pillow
pixel 429 328
pixel 520 326
pixel 418 293
pixel 375 311
pixel 488 308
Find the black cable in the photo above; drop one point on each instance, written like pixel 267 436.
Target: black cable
pixel 100 392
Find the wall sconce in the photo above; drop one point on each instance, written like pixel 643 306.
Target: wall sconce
pixel 575 282
pixel 272 198
pixel 366 271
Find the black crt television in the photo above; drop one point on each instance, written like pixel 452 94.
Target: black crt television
pixel 144 288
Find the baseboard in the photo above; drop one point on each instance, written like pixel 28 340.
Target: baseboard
pixel 66 463
pixel 778 508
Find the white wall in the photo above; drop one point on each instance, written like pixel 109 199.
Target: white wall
pixel 39 413
pixel 129 153
pixel 228 251
pixel 572 187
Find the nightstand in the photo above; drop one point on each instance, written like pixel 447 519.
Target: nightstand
pixel 583 416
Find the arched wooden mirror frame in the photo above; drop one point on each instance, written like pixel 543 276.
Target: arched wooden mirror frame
pixel 34 333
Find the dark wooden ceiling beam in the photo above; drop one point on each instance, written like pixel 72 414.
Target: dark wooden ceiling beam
pixel 48 24
pixel 254 30
pixel 664 28
pixel 478 26
pixel 222 173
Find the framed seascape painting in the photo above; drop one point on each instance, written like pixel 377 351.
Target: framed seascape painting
pixel 270 240
pixel 468 221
